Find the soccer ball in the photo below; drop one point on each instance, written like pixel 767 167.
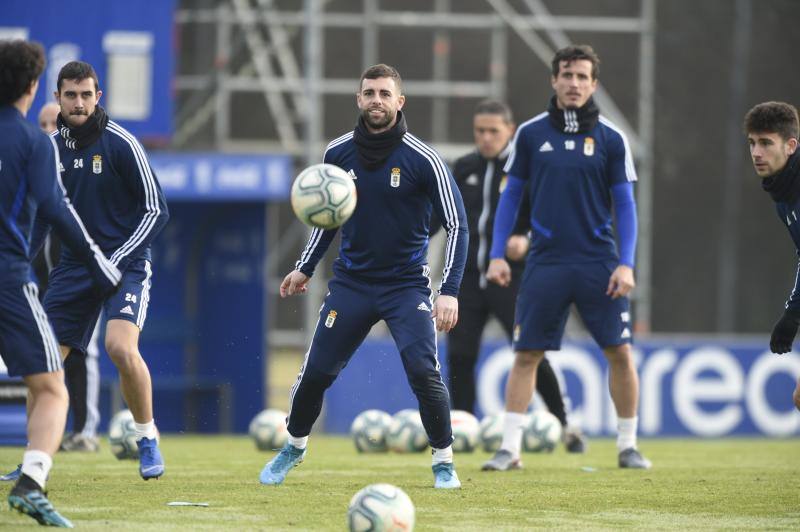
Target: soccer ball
pixel 491 432
pixel 268 429
pixel 541 433
pixel 406 433
pixel 122 436
pixel 465 431
pixel 323 196
pixel 380 507
pixel 369 430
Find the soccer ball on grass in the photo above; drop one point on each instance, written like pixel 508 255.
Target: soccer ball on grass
pixel 380 507
pixel 268 429
pixel 369 430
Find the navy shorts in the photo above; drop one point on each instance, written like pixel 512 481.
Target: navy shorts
pixel 73 306
pixel 27 342
pixel 545 294
pixel 353 306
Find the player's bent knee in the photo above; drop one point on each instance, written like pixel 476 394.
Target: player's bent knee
pixel 48 384
pixel 123 354
pixel 313 378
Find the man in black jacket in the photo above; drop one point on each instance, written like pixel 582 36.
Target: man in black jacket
pixel 481 179
pixel 773 130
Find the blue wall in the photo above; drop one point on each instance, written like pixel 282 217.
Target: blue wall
pixel 205 324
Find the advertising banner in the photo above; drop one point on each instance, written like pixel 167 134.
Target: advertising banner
pixel 694 387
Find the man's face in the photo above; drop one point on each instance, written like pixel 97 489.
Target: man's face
pixel 78 100
pixel 492 134
pixel 47 117
pixel 769 152
pixel 379 100
pixel 574 83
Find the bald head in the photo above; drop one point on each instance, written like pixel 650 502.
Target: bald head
pixel 47 117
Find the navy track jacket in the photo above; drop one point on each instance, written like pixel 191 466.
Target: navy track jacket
pixel 386 239
pixel 116 194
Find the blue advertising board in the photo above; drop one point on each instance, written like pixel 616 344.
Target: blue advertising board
pixel 220 177
pixel 688 387
pixel 129 44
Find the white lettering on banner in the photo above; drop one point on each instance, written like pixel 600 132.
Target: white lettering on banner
pixel 659 364
pixel 689 388
pixel 172 176
pixel 239 177
pixel 703 375
pixel 764 417
pixel 203 176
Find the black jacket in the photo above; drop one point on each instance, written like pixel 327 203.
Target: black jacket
pixel 481 181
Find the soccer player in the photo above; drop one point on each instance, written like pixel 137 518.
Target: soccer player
pixel 30 186
pixel 381 272
pixel 576 163
pixel 81 370
pixel 480 178
pixel 110 182
pixel 773 131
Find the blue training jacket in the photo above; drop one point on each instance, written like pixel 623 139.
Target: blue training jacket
pixel 571 177
pixel 30 187
pixel 116 194
pixel 386 239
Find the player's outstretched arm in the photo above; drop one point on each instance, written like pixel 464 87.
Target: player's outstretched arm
pixel 445 312
pixel 294 283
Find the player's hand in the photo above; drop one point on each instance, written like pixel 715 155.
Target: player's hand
pixel 294 283
pixel 621 282
pixel 103 287
pixel 517 247
pixel 499 272
pixel 445 312
pixel 784 332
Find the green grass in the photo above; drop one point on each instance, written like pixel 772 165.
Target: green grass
pixel 732 484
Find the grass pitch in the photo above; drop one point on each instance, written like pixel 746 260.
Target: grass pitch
pixel 695 484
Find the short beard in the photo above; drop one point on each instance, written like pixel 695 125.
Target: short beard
pixel 379 123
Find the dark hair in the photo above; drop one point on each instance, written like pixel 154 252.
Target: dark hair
pixel 79 71
pixel 21 64
pixel 495 107
pixel 382 71
pixel 576 52
pixel 773 117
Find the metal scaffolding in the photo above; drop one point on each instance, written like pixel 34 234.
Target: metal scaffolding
pixel 265 62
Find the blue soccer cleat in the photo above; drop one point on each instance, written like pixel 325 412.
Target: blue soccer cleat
pixel 445 477
pixel 151 464
pixel 277 468
pixel 13 476
pixel 27 497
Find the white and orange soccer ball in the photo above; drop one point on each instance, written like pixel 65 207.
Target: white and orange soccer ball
pixel 380 507
pixel 323 196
